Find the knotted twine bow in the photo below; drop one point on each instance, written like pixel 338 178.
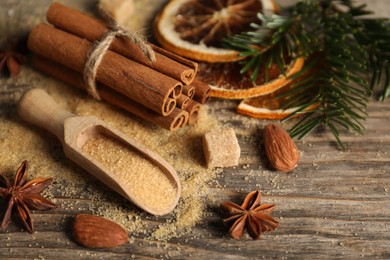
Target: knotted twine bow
pixel 100 48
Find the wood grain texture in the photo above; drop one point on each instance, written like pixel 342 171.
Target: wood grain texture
pixel 336 204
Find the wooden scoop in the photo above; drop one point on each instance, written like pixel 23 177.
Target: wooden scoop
pixel 37 107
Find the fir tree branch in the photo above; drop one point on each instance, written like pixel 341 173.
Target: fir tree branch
pixel 347 56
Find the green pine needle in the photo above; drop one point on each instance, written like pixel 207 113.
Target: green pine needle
pixel 347 59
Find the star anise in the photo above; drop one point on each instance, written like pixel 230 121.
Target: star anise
pixel 11 59
pixel 250 216
pixel 23 195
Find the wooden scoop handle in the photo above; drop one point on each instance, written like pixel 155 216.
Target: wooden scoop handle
pixel 37 107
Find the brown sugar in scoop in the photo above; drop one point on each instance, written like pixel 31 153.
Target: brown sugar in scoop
pixel 129 168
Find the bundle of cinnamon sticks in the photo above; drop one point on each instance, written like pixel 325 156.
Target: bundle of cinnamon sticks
pixel 163 92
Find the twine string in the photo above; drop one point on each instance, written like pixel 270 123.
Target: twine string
pixel 97 52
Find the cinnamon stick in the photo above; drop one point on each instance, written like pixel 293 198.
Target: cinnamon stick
pixel 202 91
pixel 189 90
pixel 134 80
pixel 84 26
pixel 193 110
pixel 182 101
pixel 171 122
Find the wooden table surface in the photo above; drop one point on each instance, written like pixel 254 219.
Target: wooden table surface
pixel 336 204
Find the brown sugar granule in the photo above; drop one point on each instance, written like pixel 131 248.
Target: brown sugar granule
pixel 119 10
pixel 221 148
pixel 144 179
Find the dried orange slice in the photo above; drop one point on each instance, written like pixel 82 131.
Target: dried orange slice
pixel 269 106
pixel 195 28
pixel 226 81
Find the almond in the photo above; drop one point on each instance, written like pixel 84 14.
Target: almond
pixel 280 149
pixel 93 231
